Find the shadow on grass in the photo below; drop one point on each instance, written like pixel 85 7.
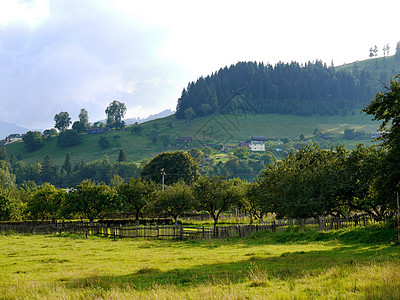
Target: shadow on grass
pixel 287 266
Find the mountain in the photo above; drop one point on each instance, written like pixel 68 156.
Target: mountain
pixel 7 128
pixel 163 114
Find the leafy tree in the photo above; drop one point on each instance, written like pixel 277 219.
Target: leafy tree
pixel 178 165
pixel 189 113
pixel 49 133
pixel 385 107
pixel 176 199
pixel 92 200
pixel 10 206
pixel 215 195
pixel 115 114
pixel 84 119
pixel 104 143
pixel 45 202
pixel 78 127
pixel 135 194
pixel 33 140
pixel 62 121
pixel 68 138
pixel 122 156
pixel 241 152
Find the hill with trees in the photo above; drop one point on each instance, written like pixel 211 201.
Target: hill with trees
pixel 287 88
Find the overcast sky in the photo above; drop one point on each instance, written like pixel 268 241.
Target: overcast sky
pixel 64 55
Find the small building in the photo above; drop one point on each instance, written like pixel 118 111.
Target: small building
pixel 257 146
pixel 95 130
pixel 258 138
pixel 246 145
pixel 14 137
pixel 184 139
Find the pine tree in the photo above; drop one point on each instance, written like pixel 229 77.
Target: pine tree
pixel 122 156
pixel 67 167
pixel 48 170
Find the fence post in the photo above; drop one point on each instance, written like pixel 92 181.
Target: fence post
pixel 181 232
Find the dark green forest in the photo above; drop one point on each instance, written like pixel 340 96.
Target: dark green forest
pixel 286 88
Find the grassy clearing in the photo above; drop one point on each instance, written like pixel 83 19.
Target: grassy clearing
pixel 223 129
pixel 293 264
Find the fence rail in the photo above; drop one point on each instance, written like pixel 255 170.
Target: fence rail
pixel 180 231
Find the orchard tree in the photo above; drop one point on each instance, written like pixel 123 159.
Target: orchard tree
pixel 62 121
pixel 115 114
pixel 135 194
pixel 45 202
pixel 176 199
pixel 92 200
pixel 215 195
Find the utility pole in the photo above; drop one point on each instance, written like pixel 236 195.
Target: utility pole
pixel 398 219
pixel 163 175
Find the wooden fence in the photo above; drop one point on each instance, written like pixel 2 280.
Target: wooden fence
pixel 180 231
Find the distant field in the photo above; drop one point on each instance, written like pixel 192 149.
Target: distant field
pixel 291 265
pixel 215 129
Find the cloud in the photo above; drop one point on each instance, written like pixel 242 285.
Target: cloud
pixel 79 56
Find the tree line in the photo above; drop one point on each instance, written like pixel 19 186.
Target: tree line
pixel 286 88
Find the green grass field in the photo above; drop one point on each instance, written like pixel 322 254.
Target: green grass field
pixel 215 129
pixel 353 264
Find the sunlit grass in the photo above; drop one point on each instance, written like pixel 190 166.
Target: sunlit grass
pixel 265 266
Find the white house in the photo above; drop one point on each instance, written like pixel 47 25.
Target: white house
pixel 257 146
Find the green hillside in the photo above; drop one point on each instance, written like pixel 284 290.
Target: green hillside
pixel 160 135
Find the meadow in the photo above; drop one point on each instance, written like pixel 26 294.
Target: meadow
pixel 361 263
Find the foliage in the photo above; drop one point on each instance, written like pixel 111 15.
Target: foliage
pixel 49 133
pixel 45 202
pixel 309 89
pixel 175 199
pixel 92 200
pixel 122 156
pixel 216 195
pixel 103 142
pixel 68 138
pixel 115 114
pixel 62 121
pixel 136 194
pixel 32 140
pixel 178 165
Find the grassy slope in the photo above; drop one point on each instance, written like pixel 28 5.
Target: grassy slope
pixel 292 264
pixel 211 129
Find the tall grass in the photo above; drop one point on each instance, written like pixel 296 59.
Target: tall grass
pixel 302 265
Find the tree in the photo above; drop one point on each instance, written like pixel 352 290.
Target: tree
pixel 122 156
pixel 49 133
pixel 215 195
pixel 67 165
pixel 48 171
pixel 178 165
pixel 32 140
pixel 189 113
pixel 45 202
pixel 62 121
pixel 84 119
pixel 115 114
pixel 385 107
pixel 397 54
pixel 92 200
pixel 135 194
pixel 103 142
pixel 3 154
pixel 68 138
pixel 176 199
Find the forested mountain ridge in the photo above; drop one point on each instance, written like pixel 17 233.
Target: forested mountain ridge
pixel 286 88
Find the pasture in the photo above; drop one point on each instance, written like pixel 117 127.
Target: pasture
pixel 360 263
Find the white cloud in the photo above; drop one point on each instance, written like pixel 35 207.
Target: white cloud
pixel 62 55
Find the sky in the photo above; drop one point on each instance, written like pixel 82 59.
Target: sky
pixel 65 55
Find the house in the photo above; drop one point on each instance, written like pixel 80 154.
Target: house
pixel 184 139
pixel 14 137
pixel 258 138
pixel 95 130
pixel 257 146
pixel 246 145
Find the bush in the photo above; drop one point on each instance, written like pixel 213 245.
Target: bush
pixel 104 142
pixel 68 138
